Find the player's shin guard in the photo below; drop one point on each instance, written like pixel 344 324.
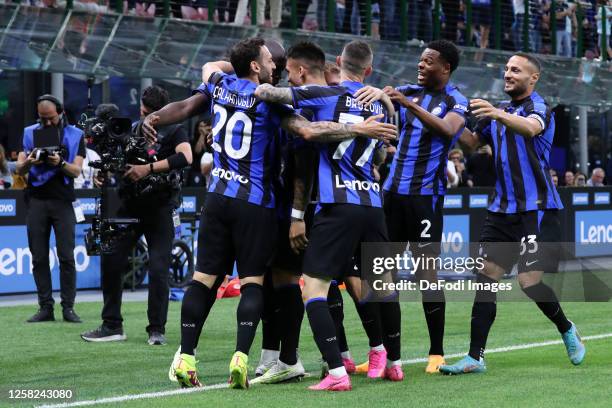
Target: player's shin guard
pixel 248 315
pixel 391 321
pixel 336 309
pixel 434 306
pixel 290 319
pixel 270 330
pixel 210 301
pixel 324 332
pixel 547 301
pixel 369 313
pixel 483 316
pixel 194 308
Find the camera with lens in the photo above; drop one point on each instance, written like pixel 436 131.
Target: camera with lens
pixel 42 153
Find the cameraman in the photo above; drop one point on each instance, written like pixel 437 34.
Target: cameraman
pixel 49 195
pixel 155 213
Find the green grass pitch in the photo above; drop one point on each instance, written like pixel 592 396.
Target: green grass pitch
pixel 52 355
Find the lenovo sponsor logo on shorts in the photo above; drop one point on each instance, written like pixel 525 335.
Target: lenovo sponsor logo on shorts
pixel 453 201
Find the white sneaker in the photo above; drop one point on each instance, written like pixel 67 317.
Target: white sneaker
pixel 281 372
pixel 175 363
pixel 267 361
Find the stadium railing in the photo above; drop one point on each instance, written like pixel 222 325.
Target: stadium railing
pixel 508 25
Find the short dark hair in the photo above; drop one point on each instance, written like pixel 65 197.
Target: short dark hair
pixel 155 97
pixel 356 56
pixel 310 53
pixel 106 111
pixel 243 53
pixel 448 51
pixel 531 58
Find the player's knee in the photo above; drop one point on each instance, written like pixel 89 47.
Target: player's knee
pixel 529 279
pixel 283 277
pixel 205 279
pixel 492 271
pixel 256 280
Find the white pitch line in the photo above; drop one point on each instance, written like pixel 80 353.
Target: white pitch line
pixel 131 397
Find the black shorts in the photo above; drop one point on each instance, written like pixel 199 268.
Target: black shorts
pixel 285 259
pixel 336 236
pixel 530 238
pixel 235 230
pixel 416 219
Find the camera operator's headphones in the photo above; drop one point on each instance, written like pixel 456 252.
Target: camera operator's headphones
pixel 59 108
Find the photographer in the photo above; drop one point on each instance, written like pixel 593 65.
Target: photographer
pixel 154 207
pixel 52 156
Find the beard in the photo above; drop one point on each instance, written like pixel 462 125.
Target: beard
pixel 517 90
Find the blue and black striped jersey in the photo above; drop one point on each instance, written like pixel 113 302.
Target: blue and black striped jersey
pixel 419 164
pixel 245 154
pixel 522 163
pixel 345 168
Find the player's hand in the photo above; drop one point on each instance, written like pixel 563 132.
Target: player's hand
pixel 31 159
pixel 297 236
pixel 148 128
pixel 483 109
pixel 137 172
pixel 396 96
pixel 374 129
pixel 368 95
pixel 54 160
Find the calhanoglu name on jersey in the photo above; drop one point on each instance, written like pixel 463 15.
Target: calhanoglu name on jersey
pixel 441 284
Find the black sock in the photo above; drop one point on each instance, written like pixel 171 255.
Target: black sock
pixel 270 332
pixel 324 332
pixel 547 301
pixel 291 316
pixel 434 306
pixel 391 321
pixel 248 315
pixel 194 309
pixel 336 309
pixel 369 312
pixel 483 316
pixel 210 301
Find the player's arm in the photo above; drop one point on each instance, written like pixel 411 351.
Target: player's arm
pixel 305 161
pixel 269 93
pixel 369 94
pixel 211 67
pixel 330 132
pixel 530 126
pixel 448 126
pixel 174 112
pixel 470 140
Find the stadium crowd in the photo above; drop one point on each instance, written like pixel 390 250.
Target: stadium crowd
pixel 351 15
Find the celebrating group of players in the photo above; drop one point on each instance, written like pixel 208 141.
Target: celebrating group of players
pixel 274 146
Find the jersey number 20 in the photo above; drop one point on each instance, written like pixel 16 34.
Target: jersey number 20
pixel 229 125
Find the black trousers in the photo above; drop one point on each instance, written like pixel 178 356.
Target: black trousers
pixel 157 226
pixel 42 216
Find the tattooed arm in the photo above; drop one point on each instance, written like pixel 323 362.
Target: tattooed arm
pixel 269 93
pixel 305 167
pixel 329 132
